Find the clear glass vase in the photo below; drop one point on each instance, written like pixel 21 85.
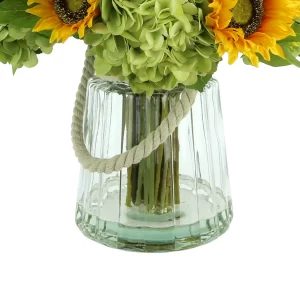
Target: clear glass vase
pixel 174 199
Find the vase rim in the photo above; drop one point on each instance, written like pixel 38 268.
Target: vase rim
pixel 110 84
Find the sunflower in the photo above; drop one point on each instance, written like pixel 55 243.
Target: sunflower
pixel 252 26
pixel 64 17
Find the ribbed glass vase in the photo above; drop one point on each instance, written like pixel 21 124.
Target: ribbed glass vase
pixel 176 198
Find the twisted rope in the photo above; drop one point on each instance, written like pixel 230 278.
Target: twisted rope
pixel 138 152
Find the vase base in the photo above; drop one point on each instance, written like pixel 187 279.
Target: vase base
pixel 197 220
pixel 146 239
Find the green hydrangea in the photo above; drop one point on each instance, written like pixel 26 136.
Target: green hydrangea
pixel 153 44
pixel 20 46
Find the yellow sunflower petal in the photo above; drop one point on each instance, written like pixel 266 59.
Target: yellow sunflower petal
pixel 47 23
pixel 232 55
pixel 41 11
pixel 277 50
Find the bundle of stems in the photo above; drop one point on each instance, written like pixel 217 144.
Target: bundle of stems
pixel 154 182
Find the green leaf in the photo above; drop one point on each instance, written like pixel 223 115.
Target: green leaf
pixel 181 76
pixel 32 61
pixel 201 83
pixel 10 48
pixel 3 34
pixel 16 57
pixel 3 56
pixel 101 66
pixel 275 61
pixel 93 39
pixel 129 36
pixel 106 8
pixel 296 27
pixel 14 12
pixel 16 32
pixel 290 57
pixel 100 28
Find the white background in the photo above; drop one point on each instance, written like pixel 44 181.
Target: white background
pixel 44 256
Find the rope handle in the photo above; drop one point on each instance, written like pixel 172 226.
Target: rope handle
pixel 138 152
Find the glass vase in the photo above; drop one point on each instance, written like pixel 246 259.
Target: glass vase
pixel 176 198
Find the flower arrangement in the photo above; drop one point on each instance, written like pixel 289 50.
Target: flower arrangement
pixel 154 44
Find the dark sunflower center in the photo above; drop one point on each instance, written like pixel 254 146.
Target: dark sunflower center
pixel 247 14
pixel 71 11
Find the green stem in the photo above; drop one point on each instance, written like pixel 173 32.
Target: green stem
pixel 141 178
pixel 168 189
pixel 135 140
pixel 147 175
pixel 151 159
pixel 176 166
pixel 160 153
pixel 122 141
pixel 140 184
pixel 163 184
pixel 129 118
pixel 176 148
